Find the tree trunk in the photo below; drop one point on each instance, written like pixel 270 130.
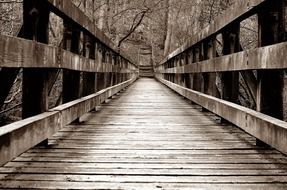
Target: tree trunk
pixel 169 28
pixel 102 16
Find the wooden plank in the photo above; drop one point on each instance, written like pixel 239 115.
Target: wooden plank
pixel 264 58
pixel 21 53
pixel 146 172
pixel 269 130
pixel 55 165
pixel 230 80
pixel 146 179
pixel 124 148
pixel 272 23
pixel 22 135
pixel 71 79
pixel 30 184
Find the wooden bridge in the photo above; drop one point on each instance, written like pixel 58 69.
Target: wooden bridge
pixel 115 130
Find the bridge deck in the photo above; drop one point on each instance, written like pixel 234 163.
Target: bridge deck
pixel 148 138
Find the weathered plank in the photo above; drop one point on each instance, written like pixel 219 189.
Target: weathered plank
pixel 133 142
pixel 270 130
pixel 21 53
pixel 264 58
pixel 30 184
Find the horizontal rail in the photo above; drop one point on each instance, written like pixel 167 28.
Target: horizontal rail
pixel 69 10
pixel 21 53
pixel 268 129
pixel 239 11
pixel 269 57
pixel 20 136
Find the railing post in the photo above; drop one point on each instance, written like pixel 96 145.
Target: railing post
pixel 187 77
pixel 71 79
pixel 99 60
pixel 116 74
pixel 270 83
pixel 182 63
pixel 89 78
pixel 121 75
pixel 108 75
pixel 210 87
pixel 35 81
pixel 230 80
pixel 197 77
pixel 177 75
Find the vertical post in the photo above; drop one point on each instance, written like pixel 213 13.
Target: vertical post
pixel 35 81
pixel 116 74
pixel 109 75
pixel 270 83
pixel 182 63
pixel 230 80
pixel 100 60
pixel 271 23
pixel 210 87
pixel 197 77
pixel 89 80
pixel 71 79
pixel 177 64
pixel 121 75
pixel 187 77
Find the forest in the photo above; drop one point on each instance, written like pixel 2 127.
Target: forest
pixel 148 29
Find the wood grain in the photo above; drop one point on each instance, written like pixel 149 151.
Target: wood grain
pixel 265 58
pixel 20 53
pixel 148 138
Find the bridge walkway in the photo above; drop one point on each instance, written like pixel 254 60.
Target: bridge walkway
pixel 148 137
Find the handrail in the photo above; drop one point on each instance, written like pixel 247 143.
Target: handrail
pixel 21 53
pixel 264 58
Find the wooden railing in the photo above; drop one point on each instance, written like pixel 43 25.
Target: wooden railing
pixel 93 70
pixel 192 70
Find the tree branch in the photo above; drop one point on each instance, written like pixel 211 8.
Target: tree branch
pixel 133 27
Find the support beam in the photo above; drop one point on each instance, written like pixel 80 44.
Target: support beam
pixel 210 88
pixel 89 78
pixel 230 80
pixel 35 81
pixel 197 77
pixel 71 79
pixel 270 83
pixel 101 83
pixel 187 77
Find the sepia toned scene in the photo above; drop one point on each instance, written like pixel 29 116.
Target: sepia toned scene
pixel 143 94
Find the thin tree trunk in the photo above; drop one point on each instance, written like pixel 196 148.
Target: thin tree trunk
pixel 169 28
